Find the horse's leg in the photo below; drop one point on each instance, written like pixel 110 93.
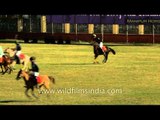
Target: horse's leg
pixel 104 60
pixel 10 69
pixel 26 93
pixel 6 69
pixel 95 49
pixel 40 89
pixel 106 57
pixel 1 69
pixel 13 64
pixel 95 58
pixel 47 87
pixel 33 93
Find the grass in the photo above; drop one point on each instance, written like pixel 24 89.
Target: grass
pixel 131 77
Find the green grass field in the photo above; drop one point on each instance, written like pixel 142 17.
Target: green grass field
pixel 131 77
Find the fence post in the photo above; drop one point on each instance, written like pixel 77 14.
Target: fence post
pixel 127 33
pixel 153 27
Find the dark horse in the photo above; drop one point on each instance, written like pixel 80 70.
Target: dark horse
pixel 98 51
pixel 30 83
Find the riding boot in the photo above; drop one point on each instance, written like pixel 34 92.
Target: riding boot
pixel 37 86
pixel 17 59
pixel 35 81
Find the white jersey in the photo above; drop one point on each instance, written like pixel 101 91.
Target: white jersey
pixel 101 45
pixel 18 53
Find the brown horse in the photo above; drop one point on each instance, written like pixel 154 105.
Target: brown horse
pixel 5 64
pixel 31 84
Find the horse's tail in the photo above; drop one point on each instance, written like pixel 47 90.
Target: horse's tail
pixel 52 79
pixel 113 51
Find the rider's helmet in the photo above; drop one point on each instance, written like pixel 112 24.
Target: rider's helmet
pixel 94 35
pixel 32 58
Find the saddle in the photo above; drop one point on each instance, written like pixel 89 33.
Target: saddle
pixel 104 48
pixel 21 56
pixel 39 80
pixel 1 59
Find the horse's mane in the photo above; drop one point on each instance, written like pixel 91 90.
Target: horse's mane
pixel 9 51
pixel 13 49
pixel 5 50
pixel 8 48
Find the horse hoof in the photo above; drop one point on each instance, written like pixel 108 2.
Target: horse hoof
pixel 29 97
pixel 95 62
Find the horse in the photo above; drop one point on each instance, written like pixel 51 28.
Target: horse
pixel 98 51
pixel 30 83
pixel 24 59
pixel 5 64
pixel 11 52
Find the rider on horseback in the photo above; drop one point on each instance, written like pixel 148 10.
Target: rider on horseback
pixel 34 70
pixel 18 52
pixel 99 41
